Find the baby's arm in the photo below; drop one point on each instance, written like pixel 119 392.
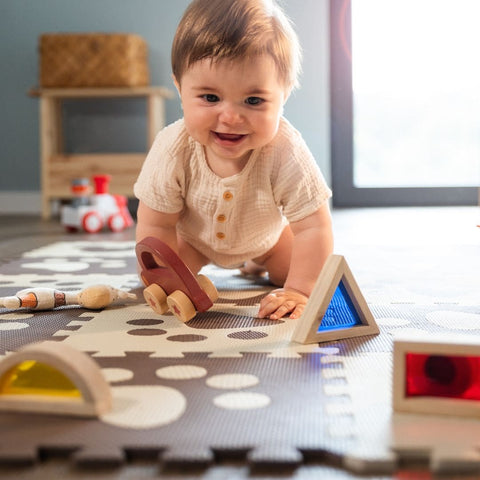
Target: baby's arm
pixel 151 223
pixel 312 244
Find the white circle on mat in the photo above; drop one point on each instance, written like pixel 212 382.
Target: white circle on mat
pixel 242 400
pixel 16 316
pixel 413 332
pixel 113 264
pixel 232 381
pixel 13 326
pixel 328 350
pixel 143 407
pixel 393 322
pixel 455 320
pixel 117 374
pixel 181 372
pixel 58 265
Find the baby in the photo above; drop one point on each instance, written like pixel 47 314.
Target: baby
pixel 233 182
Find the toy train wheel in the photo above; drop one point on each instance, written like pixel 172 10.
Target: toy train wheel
pixel 92 222
pixel 156 297
pixel 116 223
pixel 181 306
pixel 208 287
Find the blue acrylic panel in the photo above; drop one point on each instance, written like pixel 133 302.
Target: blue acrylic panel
pixel 341 312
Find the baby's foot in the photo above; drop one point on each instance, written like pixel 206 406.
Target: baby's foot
pixel 252 269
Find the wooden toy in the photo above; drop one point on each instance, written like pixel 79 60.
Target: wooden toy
pixel 437 374
pixel 92 213
pixel 41 298
pixel 336 308
pixel 170 283
pixel 52 377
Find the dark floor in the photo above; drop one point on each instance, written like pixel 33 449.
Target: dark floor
pixel 20 233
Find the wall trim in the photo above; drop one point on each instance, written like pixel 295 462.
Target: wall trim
pixel 25 203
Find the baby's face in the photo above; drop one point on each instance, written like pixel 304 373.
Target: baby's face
pixel 232 107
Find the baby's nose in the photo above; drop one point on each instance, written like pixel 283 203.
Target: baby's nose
pixel 230 114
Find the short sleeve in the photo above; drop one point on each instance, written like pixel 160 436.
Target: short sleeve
pixel 161 183
pixel 300 188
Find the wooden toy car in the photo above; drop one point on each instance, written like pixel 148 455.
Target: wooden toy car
pixel 170 284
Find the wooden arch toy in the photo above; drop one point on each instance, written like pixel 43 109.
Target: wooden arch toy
pixel 52 377
pixel 170 284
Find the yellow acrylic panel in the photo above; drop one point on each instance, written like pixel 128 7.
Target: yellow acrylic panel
pixel 31 377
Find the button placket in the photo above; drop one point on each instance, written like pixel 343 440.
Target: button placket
pixel 221 226
pixel 227 195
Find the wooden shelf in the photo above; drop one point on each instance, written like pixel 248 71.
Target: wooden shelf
pixel 65 167
pixel 101 92
pixel 58 169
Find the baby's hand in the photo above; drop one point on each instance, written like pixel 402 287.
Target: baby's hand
pixel 281 301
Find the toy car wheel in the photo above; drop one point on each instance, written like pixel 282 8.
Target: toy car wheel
pixel 156 297
pixel 208 287
pixel 181 306
pixel 92 222
pixel 116 223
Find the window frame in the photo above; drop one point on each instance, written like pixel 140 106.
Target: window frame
pixel 345 193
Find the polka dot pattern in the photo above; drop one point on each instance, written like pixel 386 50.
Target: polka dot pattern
pixel 144 407
pixel 181 372
pixel 247 335
pixel 147 331
pixel 242 401
pixel 113 375
pixel 232 381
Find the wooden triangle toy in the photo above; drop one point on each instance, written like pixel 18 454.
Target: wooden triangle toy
pixel 336 308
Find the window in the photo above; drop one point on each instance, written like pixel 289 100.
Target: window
pixel 405 88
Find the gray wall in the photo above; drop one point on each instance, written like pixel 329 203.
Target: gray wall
pixel 117 126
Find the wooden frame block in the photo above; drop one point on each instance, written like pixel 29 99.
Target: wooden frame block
pixel 89 395
pixel 437 375
pixel 323 317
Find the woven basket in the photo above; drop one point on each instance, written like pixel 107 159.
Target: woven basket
pixel 93 60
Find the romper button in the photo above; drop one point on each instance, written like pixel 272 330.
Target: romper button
pixel 221 218
pixel 220 235
pixel 227 196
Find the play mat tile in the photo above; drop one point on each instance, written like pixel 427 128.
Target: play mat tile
pixel 224 384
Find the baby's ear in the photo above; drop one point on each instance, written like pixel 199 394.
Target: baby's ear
pixel 176 83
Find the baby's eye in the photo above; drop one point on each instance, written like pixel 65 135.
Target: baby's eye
pixel 254 101
pixel 210 97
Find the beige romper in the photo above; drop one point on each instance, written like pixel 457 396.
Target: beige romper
pixel 234 219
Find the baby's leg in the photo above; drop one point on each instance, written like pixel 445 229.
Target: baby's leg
pixel 277 260
pixel 253 269
pixel 191 256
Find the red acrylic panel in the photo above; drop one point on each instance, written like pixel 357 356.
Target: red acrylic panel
pixel 452 376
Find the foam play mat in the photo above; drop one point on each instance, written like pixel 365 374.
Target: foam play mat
pixel 226 384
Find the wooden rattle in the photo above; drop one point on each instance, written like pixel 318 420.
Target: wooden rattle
pixel 170 283
pixel 41 298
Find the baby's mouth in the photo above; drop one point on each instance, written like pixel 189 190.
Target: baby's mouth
pixel 229 137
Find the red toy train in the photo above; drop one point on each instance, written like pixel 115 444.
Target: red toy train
pixel 92 212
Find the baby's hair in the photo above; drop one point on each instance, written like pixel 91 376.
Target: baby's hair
pixel 235 30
